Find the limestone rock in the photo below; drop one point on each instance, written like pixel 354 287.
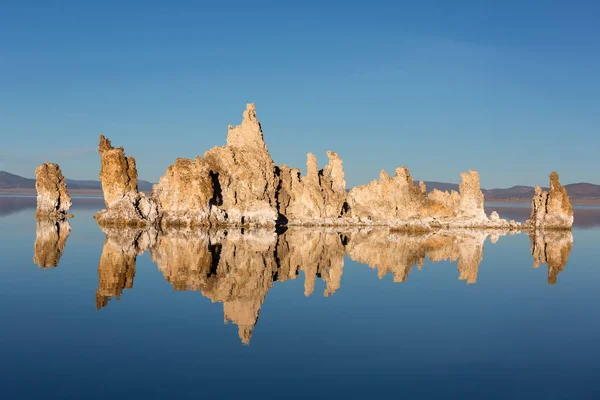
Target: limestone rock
pixel 53 200
pixel 388 198
pixel 124 204
pixel 245 182
pixel 317 198
pixel 50 241
pixel 552 209
pixel 186 195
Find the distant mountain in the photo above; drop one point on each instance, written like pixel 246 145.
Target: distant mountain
pixel 12 181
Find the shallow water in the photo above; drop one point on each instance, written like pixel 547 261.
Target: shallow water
pixel 316 313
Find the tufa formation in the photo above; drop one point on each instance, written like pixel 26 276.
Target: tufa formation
pixel 53 201
pixel 551 209
pixel 239 185
pixel 124 204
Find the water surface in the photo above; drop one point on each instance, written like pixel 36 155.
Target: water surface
pixel 319 313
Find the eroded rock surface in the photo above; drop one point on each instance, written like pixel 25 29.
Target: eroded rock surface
pixel 53 200
pixel 185 195
pixel 551 209
pixel 124 204
pixel 399 203
pixel 239 184
pixel 50 241
pixel 245 182
pixel 314 199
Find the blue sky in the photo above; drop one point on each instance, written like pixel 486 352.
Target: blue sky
pixel 511 90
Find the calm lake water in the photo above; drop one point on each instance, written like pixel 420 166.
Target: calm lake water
pixel 303 314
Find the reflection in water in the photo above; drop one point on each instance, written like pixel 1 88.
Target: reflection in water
pixel 117 262
pixel 237 268
pixel 50 240
pixel 228 267
pixel 551 248
pixel 398 253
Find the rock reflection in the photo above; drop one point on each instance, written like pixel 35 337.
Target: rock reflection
pixel 238 268
pixel 117 262
pixel 397 253
pixel 230 267
pixel 50 241
pixel 551 248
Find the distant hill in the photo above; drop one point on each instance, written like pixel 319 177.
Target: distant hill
pixel 12 181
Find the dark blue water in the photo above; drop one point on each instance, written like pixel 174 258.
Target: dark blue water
pixel 106 322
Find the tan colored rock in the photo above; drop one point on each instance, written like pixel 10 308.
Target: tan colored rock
pixel 245 182
pixel 388 198
pixel 317 198
pixel 248 135
pixel 471 197
pixel 50 241
pixel 238 184
pixel 186 196
pixel 53 200
pixel 124 204
pixel 551 209
pixel 552 248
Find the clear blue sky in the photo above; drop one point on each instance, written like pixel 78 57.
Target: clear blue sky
pixel 512 90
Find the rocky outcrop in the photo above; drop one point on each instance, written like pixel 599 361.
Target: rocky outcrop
pixel 50 241
pixel 233 184
pixel 318 198
pixel 53 200
pixel 239 185
pixel 399 203
pixel 245 182
pixel 185 195
pixel 124 204
pixel 551 209
pixel 388 199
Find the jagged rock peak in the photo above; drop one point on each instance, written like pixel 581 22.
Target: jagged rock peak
pixel 118 176
pixel 551 210
pixel 186 194
pixel 53 200
pixel 118 173
pixel 248 134
pixel 335 171
pixel 471 197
